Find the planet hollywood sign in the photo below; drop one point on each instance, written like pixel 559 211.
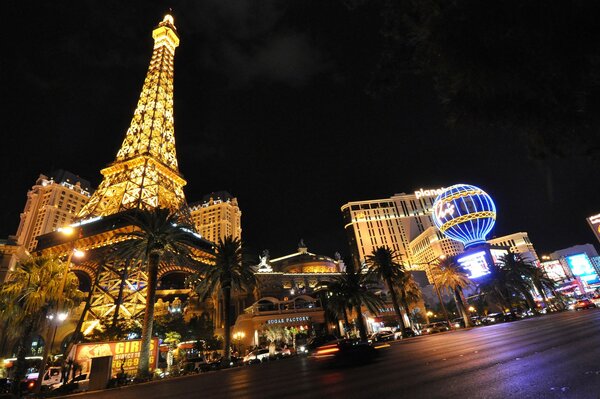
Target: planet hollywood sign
pixel 429 193
pixel 289 320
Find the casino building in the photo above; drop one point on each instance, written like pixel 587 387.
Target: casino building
pixel 287 294
pixel 393 222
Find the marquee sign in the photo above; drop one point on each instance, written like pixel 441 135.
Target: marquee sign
pixel 594 222
pixel 289 320
pixel 429 193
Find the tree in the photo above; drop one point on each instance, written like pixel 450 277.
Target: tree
pixel 31 292
pixel 350 291
pixel 527 274
pixel 449 275
pixel 410 292
pixel 158 235
pixel 232 272
pixel 384 264
pixel 506 284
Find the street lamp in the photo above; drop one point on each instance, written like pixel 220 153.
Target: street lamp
pixel 57 318
pixel 238 336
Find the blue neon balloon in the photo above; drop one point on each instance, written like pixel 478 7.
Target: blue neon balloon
pixel 464 213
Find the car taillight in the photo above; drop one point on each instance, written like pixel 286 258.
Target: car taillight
pixel 327 350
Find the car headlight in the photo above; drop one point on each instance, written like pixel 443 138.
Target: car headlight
pixel 457 325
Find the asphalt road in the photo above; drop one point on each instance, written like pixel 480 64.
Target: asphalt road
pixel 553 356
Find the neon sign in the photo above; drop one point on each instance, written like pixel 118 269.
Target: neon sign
pixel 464 213
pixel 475 264
pixel 285 320
pixel 429 193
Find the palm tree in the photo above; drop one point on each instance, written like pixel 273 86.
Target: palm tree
pixel 232 272
pixel 519 273
pixel 35 288
pixel 495 289
pixel 410 292
pixel 449 275
pixel 159 235
pixel 384 264
pixel 350 291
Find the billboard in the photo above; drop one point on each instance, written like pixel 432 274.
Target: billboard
pixel 594 222
pixel 582 267
pixel 554 270
pixel 475 264
pixel 125 353
pixel 497 254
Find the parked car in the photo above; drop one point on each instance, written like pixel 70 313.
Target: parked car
pixel 584 304
pixel 405 333
pixel 433 328
pixel 257 356
pixel 382 336
pixel 493 318
pixel 80 383
pixel 459 322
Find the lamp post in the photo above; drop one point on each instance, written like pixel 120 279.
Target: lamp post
pixel 238 336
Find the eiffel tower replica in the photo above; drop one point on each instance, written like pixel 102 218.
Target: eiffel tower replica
pixel 144 176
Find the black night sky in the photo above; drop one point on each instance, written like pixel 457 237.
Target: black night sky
pixel 272 103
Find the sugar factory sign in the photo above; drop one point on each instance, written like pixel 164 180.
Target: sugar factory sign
pixel 429 193
pixel 289 320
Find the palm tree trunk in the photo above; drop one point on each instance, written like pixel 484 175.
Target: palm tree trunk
pixel 346 322
pixel 21 367
pixel 395 302
pixel 226 329
pixel 144 364
pixel 461 306
pixel 406 307
pixel 362 329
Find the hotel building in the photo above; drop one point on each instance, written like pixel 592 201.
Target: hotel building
pixel 217 216
pixel 53 201
pixel 517 243
pixel 393 222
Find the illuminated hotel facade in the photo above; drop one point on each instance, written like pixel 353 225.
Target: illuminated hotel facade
pixel 393 222
pixel 52 202
pixel 217 216
pixel 517 243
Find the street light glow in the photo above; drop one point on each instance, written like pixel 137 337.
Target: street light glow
pixel 78 253
pixel 67 230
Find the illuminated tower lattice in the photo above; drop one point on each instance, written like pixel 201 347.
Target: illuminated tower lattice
pixel 145 174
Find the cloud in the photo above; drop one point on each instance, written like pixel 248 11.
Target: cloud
pixel 253 41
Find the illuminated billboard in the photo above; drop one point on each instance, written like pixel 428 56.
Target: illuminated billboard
pixel 582 267
pixel 554 270
pixel 594 222
pixel 475 264
pixel 126 354
pixel 497 254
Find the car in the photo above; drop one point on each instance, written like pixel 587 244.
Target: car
pixel 584 304
pixel 80 383
pixel 257 356
pixel 433 328
pixel 346 351
pixel 382 336
pixel 283 352
pixel 315 342
pixel 493 318
pixel 459 322
pixel 405 333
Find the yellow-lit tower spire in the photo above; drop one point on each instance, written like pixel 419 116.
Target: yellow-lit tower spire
pixel 144 174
